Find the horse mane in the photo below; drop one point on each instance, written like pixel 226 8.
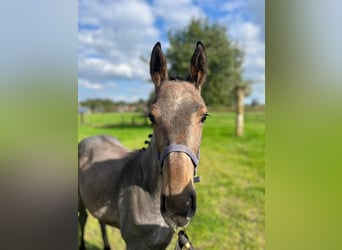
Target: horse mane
pixel 146 142
pixel 177 78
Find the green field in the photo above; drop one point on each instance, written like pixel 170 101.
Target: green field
pixel 231 194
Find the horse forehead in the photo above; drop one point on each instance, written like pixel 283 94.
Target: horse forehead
pixel 179 96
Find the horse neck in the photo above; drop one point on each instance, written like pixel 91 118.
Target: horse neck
pixel 149 164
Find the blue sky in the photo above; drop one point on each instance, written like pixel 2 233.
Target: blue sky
pixel 114 35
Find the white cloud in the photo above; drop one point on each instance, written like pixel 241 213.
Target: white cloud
pixel 233 5
pixel 177 14
pixel 248 34
pixel 90 85
pixel 104 68
pixel 257 12
pixel 237 10
pixel 256 76
pixel 255 61
pixel 112 38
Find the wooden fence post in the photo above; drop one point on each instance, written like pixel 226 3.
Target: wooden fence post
pixel 239 125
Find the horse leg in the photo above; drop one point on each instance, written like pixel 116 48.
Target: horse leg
pixel 82 219
pixel 104 236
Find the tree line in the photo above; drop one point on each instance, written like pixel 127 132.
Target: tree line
pixel 107 105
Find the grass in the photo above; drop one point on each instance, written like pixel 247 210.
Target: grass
pixel 231 195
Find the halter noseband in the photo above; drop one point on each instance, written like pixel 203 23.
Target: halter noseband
pixel 180 148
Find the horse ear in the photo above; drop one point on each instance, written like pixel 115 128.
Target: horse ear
pixel 198 65
pixel 158 66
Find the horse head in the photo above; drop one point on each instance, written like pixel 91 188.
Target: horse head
pixel 177 114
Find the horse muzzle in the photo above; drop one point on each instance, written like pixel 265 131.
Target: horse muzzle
pixel 178 210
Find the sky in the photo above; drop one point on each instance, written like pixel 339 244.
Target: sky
pixel 114 35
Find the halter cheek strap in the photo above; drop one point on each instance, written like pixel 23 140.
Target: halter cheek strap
pixel 180 148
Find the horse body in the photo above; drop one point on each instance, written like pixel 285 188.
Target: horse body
pixel 115 187
pixel 101 159
pixel 148 194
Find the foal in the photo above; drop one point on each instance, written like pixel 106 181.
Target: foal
pixel 148 194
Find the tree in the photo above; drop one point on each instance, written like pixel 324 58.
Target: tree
pixel 105 105
pixel 224 59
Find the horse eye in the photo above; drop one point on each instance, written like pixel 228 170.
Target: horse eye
pixel 204 117
pixel 151 117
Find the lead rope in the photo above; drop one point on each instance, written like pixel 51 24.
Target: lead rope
pixel 183 242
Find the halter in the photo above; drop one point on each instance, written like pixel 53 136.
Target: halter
pixel 180 148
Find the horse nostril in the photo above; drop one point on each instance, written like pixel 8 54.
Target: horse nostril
pixel 192 209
